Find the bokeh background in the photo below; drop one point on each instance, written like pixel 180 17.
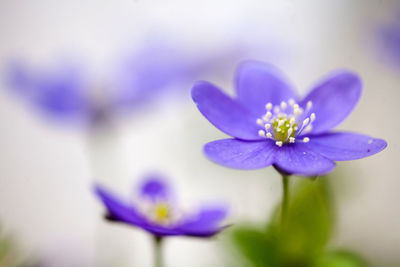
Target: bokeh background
pixel 48 166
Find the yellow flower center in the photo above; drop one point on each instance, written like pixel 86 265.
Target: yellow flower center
pixel 162 213
pixel 283 129
pixel 284 123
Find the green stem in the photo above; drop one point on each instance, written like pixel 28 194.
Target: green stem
pixel 285 198
pixel 158 255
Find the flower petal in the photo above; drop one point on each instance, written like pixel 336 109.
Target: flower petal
pixel 224 113
pixel 204 223
pixel 346 146
pixel 119 211
pixel 298 159
pixel 58 91
pixel 333 99
pixel 155 188
pixel 239 154
pixel 258 83
pixel 160 230
pixel 389 37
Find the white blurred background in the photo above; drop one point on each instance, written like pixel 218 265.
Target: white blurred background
pixel 47 170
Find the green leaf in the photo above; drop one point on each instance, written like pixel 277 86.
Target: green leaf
pixel 301 240
pixel 255 246
pixel 340 259
pixel 309 223
pixel 10 255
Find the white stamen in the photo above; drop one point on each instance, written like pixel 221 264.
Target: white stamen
pixel 297 111
pixel 286 123
pixel 309 105
pixel 305 123
pixel 265 118
pixel 289 132
pixel 312 117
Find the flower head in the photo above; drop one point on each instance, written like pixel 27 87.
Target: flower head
pixel 156 212
pixel 66 92
pixel 270 125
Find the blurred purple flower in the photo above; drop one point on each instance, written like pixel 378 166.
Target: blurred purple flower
pixel 270 128
pixel 389 39
pixel 59 91
pixel 64 92
pixel 155 213
pixel 156 68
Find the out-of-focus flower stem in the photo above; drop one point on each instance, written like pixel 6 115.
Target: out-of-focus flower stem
pixel 285 198
pixel 158 254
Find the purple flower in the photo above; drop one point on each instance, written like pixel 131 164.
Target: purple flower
pixel 155 68
pixel 270 125
pixel 64 91
pixel 155 212
pixel 60 91
pixel 389 37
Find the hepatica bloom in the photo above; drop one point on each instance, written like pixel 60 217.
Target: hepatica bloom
pixel 156 212
pixel 65 92
pixel 271 125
